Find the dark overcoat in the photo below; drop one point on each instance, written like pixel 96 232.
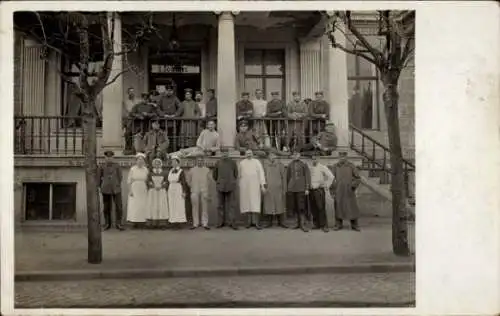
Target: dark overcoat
pixel 344 187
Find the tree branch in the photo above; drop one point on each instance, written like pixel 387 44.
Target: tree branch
pixel 408 50
pixel 354 52
pixel 377 55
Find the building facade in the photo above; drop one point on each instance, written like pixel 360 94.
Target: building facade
pixel 230 52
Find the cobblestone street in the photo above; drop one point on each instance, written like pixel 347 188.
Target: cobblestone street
pixel 319 290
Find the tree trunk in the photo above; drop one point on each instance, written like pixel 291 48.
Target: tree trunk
pixel 399 225
pixel 93 213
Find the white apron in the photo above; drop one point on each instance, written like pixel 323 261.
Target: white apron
pixel 157 199
pixel 176 203
pixel 137 178
pixel 251 179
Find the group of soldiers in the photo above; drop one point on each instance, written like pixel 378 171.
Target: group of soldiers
pixel 151 125
pixel 259 186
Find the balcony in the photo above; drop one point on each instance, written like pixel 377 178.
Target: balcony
pixel 60 135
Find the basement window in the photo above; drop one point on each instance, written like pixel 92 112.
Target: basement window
pixel 50 201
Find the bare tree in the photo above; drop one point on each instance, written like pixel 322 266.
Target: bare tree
pixel 81 38
pixel 398 30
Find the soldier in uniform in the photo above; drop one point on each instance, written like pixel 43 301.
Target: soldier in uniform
pixel 324 143
pixel 211 106
pixel 246 138
pixel 297 111
pixel 110 182
pixel 344 187
pixel 170 107
pixel 276 108
pixel 139 119
pixel 298 181
pixel 189 127
pixel 225 175
pixel 244 107
pixel 319 109
pixel 156 141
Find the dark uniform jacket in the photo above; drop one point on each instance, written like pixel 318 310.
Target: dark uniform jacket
pixel 298 177
pixel 276 108
pixel 225 175
pixel 244 106
pixel 246 140
pixel 317 108
pixel 211 108
pixel 170 105
pixel 110 178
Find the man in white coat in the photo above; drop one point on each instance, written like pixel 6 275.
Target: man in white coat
pixel 252 184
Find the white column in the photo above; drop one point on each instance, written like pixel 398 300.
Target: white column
pixel 226 79
pixel 337 93
pixel 112 95
pixel 310 63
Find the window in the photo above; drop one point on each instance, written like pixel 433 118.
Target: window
pixel 364 91
pixel 71 104
pixel 50 201
pixel 265 69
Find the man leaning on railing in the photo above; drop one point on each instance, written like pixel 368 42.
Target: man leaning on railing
pixel 138 121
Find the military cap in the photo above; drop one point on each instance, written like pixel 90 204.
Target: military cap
pixel 245 94
pixel 275 93
pixel 188 90
pixel 109 153
pixel 295 93
pixel 243 123
pixel 199 92
pixel 211 90
pixel 318 93
pixel 343 153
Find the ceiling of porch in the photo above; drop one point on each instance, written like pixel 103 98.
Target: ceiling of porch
pixel 302 21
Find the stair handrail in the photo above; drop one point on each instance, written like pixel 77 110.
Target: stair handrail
pixel 385 148
pixel 407 165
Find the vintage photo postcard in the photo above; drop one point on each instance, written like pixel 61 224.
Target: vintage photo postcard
pixel 250 157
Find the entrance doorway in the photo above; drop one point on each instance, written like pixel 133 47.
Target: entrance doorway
pixel 181 69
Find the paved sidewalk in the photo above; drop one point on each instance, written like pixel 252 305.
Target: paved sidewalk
pixel 151 253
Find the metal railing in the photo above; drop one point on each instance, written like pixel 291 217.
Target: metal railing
pixel 377 158
pixel 41 135
pixel 61 135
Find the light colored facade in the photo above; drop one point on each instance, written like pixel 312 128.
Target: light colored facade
pixel 231 52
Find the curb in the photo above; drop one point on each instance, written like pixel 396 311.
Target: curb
pixel 70 275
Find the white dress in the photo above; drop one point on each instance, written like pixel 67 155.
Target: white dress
pixel 252 177
pixel 176 202
pixel 157 197
pixel 137 179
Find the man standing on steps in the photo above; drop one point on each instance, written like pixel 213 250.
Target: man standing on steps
pixel 298 182
pixel 225 175
pixel 110 182
pixel 321 180
pixel 344 187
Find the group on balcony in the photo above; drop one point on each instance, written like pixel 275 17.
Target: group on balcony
pixel 160 124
